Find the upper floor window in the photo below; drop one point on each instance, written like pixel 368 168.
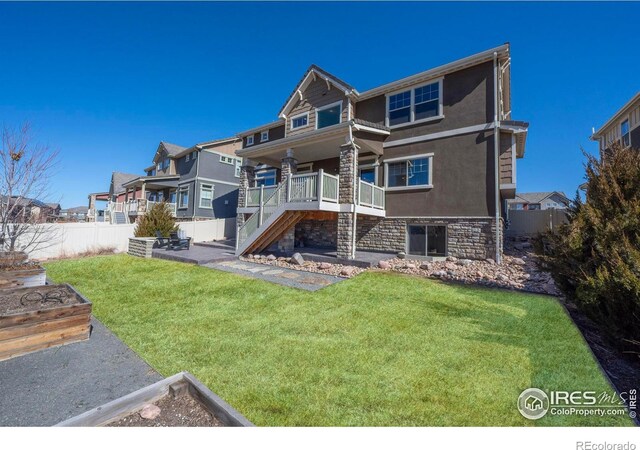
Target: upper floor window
pixel 300 121
pixel 264 136
pixel 329 115
pixel 624 132
pixel 151 172
pixel 249 140
pixel 266 178
pixel 409 173
pixel 238 167
pixel 415 105
pixel 194 154
pixel 227 159
pixel 186 158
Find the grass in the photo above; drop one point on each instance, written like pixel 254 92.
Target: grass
pixel 380 349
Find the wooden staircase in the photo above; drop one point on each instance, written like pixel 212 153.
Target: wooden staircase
pixel 276 231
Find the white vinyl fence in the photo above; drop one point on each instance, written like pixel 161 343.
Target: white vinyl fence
pixel 522 222
pixel 68 239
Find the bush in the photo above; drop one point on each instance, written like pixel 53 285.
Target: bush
pixel 157 218
pixel 595 257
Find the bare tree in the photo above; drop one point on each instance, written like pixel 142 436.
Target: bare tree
pixel 26 169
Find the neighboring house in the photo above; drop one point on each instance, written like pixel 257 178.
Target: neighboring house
pixel 25 210
pixel 75 214
pixel 199 182
pixel 539 200
pixel 623 127
pixel 420 165
pixel 54 209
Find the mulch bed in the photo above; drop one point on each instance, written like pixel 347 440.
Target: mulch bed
pixel 36 298
pixel 182 411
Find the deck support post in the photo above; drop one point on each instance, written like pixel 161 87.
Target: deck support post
pixel 347 192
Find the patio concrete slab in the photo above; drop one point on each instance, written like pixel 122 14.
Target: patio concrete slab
pixel 197 254
pixel 284 276
pixel 46 387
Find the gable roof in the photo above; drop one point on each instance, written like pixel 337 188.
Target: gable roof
pixel 172 149
pixel 314 72
pixel 536 197
pixel 615 117
pixel 118 179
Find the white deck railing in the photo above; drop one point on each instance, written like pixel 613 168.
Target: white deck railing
pixel 172 206
pixel 370 195
pixel 253 194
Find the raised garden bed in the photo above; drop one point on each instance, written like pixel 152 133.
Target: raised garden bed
pixel 17 271
pixel 36 318
pixel 183 401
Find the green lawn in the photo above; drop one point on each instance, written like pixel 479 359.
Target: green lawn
pixel 379 349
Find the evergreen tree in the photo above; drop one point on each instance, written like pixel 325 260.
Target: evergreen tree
pixel 595 257
pixel 157 218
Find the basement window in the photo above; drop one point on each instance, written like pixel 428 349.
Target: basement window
pixel 427 240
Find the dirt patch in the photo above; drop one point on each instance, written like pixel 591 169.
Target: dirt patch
pixel 36 298
pixel 183 411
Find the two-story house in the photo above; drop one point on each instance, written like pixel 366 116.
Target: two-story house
pixel 530 201
pixel 622 128
pixel 198 182
pixel 421 165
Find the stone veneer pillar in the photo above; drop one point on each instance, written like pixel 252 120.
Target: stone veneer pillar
pixel 289 166
pixel 247 178
pixel 346 196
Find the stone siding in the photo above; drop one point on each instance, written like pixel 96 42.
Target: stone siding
pixel 317 233
pixel 141 247
pixel 466 238
pixel 247 179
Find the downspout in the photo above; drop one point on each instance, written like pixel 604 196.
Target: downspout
pixel 195 185
pixel 496 151
pixel 355 195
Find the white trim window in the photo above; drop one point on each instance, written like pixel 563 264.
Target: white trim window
pixel 409 173
pixel 329 115
pixel 238 168
pixel 264 136
pixel 266 178
pixel 304 168
pixel 249 140
pixel 183 197
pixel 625 136
pixel 227 159
pixel 206 196
pixel 300 121
pixel 419 104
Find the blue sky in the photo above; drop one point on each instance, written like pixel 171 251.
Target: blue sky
pixel 104 83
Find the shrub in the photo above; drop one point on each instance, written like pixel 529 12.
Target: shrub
pixel 595 257
pixel 157 218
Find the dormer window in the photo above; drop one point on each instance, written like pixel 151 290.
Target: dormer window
pixel 329 115
pixel 299 121
pixel 249 140
pixel 264 136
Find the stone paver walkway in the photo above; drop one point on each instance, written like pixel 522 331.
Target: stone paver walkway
pixel 287 277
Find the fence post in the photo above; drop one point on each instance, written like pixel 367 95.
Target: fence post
pixel 260 205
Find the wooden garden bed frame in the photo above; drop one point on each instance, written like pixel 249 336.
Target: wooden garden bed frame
pixel 27 332
pixel 135 401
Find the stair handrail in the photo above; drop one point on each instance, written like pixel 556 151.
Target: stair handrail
pixel 267 207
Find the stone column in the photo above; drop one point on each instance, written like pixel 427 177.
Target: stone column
pixel 346 195
pixel 247 178
pixel 289 166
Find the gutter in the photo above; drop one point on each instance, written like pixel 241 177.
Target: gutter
pixel 496 153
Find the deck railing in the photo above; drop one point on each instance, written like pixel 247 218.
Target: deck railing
pixel 370 195
pixel 172 206
pixel 269 204
pixel 253 194
pixel 329 187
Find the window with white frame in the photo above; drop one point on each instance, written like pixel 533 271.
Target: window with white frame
pixel 183 197
pixel 409 173
pixel 415 105
pixel 264 136
pixel 368 174
pixel 329 115
pixel 238 167
pixel 300 121
pixel 304 168
pixel 227 159
pixel 194 154
pixel 266 178
pixel 249 140
pixel 206 195
pixel 624 132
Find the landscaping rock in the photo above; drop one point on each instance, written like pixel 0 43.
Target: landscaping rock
pixel 150 412
pixel 271 258
pixel 409 266
pixel 452 258
pixel 518 261
pixel 440 273
pixel 347 271
pixel 297 259
pixel 424 266
pixel 325 265
pixel 384 265
pixel 463 262
pixel 490 260
pixel 249 256
pixel 402 255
